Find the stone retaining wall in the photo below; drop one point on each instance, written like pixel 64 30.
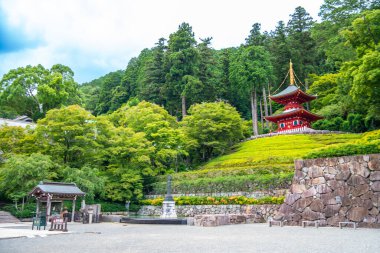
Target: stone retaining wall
pixel 263 211
pixel 334 190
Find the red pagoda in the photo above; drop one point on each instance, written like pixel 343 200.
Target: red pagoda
pixel 294 118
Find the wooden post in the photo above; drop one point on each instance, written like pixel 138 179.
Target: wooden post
pixel 73 212
pixel 48 207
pixel 37 207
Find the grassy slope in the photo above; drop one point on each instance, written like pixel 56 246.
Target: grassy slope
pixel 277 150
pixel 274 154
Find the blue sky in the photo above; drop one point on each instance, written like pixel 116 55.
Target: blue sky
pixel 95 37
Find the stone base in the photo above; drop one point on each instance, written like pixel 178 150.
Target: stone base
pixel 211 220
pixel 168 210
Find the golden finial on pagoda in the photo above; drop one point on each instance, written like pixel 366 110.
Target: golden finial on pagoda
pixel 291 73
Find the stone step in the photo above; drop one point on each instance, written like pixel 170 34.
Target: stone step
pixel 6 217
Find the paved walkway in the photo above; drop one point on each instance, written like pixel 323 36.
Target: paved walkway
pixel 258 238
pixel 6 217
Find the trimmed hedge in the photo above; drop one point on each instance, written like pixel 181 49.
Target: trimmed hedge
pixel 368 144
pixel 227 184
pixel 233 200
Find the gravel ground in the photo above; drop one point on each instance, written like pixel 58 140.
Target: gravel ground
pixel 258 238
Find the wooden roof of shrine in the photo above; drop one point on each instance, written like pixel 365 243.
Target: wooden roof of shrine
pixel 56 190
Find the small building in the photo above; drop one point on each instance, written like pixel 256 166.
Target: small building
pixel 294 118
pixel 55 192
pixel 21 121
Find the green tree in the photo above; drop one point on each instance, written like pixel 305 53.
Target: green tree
pixel 160 128
pixel 72 136
pixel 88 179
pixel 20 173
pixel 33 90
pixel 250 70
pixel 155 75
pixel 181 60
pixel 303 47
pixel 214 126
pixel 363 73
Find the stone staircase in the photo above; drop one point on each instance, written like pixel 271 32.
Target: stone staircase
pixel 6 217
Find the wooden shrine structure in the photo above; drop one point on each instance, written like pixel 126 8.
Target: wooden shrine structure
pixel 55 192
pixel 294 118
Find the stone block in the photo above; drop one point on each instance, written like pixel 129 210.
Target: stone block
pixel 298 188
pixel 357 214
pixel 318 181
pixel 334 221
pixel 316 205
pixel 342 191
pixel 315 171
pixel 357 168
pixel 334 184
pixel 211 220
pixel 328 199
pixel 331 210
pixel 376 186
pixel 329 177
pixel 291 198
pixel 323 188
pixel 355 180
pixel 298 164
pixel 367 195
pixel 375 176
pixel 343 175
pixel 301 204
pixel 309 214
pixel 367 203
pixel 374 164
pixel 330 170
pixel 309 193
pixel 332 161
pixel 346 201
pixel 238 218
pixel 376 199
pixel 285 209
pixel 320 162
pixel 360 190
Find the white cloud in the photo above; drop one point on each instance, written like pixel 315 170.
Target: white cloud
pixel 104 34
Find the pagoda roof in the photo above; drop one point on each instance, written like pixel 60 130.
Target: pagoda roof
pixel 294 113
pixel 292 94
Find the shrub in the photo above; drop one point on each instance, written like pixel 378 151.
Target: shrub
pixel 233 200
pixel 368 144
pixel 228 183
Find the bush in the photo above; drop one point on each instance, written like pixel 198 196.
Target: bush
pixel 233 200
pixel 228 183
pixel 368 144
pixel 28 212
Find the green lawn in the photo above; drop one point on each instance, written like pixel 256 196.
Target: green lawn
pixel 277 150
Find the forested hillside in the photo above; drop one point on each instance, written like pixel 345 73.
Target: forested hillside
pixel 182 103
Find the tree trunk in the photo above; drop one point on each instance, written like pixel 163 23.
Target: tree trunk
pixel 307 87
pixel 261 115
pixel 270 104
pixel 254 112
pixel 265 107
pixel 23 203
pixel 183 106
